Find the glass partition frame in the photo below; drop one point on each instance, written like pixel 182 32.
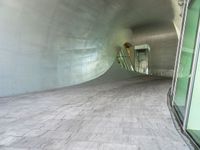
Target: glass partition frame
pixel 190 126
pixel 182 75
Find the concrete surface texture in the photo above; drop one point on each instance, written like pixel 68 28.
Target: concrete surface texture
pixel 129 114
pixel 46 44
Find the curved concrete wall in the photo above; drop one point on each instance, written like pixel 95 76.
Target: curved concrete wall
pixel 47 44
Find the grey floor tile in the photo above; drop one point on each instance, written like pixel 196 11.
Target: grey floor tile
pixel 124 115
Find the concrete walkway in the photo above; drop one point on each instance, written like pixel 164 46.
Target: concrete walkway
pixel 124 115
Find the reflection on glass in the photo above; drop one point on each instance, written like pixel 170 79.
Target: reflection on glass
pixel 186 58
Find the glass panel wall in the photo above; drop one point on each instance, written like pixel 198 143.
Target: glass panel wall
pixel 193 125
pixel 187 92
pixel 187 52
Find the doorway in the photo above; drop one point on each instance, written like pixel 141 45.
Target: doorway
pixel 142 58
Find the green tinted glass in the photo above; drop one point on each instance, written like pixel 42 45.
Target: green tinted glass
pixel 186 57
pixel 193 125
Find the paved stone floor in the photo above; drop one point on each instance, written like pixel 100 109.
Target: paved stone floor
pixel 125 115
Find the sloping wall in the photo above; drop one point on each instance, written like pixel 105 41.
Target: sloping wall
pixel 47 44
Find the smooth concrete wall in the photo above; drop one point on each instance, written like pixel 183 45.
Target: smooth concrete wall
pixel 46 44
